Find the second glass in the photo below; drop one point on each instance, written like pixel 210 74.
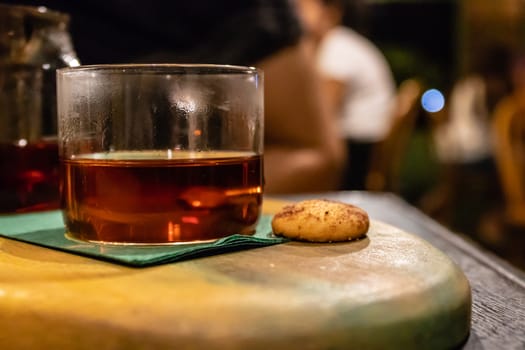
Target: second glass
pixel 160 153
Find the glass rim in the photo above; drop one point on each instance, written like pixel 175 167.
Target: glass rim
pixel 161 68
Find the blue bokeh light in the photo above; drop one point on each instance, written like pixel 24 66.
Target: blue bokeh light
pixel 432 101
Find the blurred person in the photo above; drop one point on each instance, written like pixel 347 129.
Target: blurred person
pixel 302 153
pixel 358 83
pixel 469 189
pixel 464 137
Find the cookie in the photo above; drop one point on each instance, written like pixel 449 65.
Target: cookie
pixel 321 220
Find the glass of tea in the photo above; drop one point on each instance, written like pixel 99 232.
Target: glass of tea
pixel 160 153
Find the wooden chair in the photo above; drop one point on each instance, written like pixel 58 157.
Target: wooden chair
pixel 387 156
pixel 509 152
pixel 504 230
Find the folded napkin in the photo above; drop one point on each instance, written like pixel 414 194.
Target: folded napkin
pixel 47 229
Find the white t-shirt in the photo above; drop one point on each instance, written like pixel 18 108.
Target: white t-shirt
pixel 347 56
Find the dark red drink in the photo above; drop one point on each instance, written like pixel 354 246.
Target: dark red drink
pixel 154 197
pixel 29 176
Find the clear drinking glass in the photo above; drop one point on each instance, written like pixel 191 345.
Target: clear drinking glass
pixel 34 41
pixel 160 153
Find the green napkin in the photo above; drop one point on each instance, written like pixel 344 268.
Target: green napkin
pixel 47 229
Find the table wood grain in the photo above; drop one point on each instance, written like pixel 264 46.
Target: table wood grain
pixel 498 289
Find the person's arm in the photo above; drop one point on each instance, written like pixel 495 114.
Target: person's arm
pixel 303 151
pixel 334 95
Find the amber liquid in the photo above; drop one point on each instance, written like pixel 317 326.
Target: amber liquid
pixel 153 197
pixel 29 177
